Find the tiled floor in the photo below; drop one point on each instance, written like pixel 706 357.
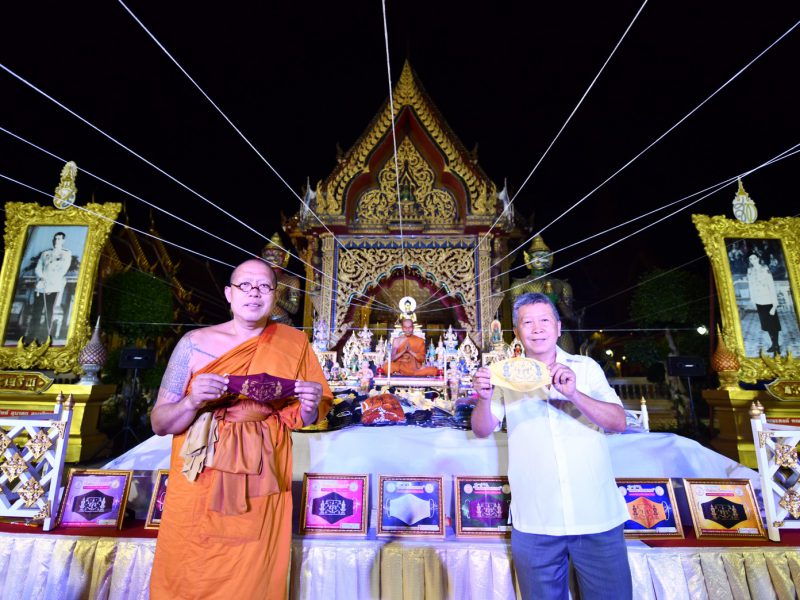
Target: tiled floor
pixel 755 339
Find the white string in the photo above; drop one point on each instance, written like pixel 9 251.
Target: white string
pixel 186 222
pixel 569 118
pixel 231 123
pixel 150 204
pixel 781 156
pixel 150 235
pixel 658 276
pixel 658 139
pixel 394 146
pixel 142 158
pixel 207 297
pixel 785 154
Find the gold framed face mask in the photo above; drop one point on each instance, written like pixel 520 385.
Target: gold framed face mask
pixel 520 374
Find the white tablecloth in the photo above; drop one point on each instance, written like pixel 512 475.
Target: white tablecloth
pixel 55 567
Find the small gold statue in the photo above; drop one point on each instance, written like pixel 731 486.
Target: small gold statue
pixel 287 293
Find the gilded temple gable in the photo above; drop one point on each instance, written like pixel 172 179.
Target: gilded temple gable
pixel 440 185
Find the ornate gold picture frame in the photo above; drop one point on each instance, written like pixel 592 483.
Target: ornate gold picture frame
pixel 95 498
pixel 334 504
pixel 724 508
pixel 46 283
pixel 756 267
pixel 157 499
pixel 652 508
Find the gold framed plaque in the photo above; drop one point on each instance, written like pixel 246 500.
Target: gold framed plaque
pixel 410 506
pixel 334 504
pixel 652 509
pixel 157 499
pixel 483 505
pixel 95 498
pixel 724 508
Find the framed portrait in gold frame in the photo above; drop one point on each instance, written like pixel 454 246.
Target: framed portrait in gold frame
pixel 757 273
pixel 724 508
pixel 46 282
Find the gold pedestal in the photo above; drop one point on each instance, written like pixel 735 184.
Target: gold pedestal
pixel 84 438
pixel 731 416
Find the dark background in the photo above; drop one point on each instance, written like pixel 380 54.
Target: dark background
pixel 300 77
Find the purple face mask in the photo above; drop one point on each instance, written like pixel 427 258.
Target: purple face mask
pixel 261 387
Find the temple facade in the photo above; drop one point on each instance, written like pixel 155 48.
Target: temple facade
pixel 367 249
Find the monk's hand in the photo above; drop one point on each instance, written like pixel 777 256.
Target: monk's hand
pixel 206 387
pixel 564 380
pixel 309 393
pixel 482 383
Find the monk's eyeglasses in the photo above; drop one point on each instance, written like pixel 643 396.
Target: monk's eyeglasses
pixel 246 287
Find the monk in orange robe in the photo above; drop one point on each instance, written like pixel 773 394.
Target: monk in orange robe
pixel 408 354
pixel 226 526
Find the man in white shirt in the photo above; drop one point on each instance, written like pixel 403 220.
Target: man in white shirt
pixel 564 501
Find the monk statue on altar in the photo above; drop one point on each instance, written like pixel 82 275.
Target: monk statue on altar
pixel 539 260
pixel 408 354
pixel 287 295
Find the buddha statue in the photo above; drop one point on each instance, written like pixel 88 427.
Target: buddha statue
pixel 539 260
pixel 287 294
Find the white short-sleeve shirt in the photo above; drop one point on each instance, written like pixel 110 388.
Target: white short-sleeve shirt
pixel 559 466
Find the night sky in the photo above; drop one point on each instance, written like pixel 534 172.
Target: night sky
pixel 297 78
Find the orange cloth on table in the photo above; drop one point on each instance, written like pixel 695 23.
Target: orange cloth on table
pixel 411 363
pixel 206 553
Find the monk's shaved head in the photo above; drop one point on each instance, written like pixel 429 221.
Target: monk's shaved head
pixel 250 265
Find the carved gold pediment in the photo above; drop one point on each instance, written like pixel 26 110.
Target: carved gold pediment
pixel 420 200
pixel 408 94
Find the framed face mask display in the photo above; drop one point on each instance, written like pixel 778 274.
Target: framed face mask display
pixel 724 508
pixel 652 509
pixel 334 504
pixel 482 506
pixel 95 498
pixel 410 506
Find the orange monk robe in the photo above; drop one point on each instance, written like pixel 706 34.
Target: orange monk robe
pixel 411 363
pixel 204 553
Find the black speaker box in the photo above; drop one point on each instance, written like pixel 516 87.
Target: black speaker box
pixel 137 358
pixel 686 366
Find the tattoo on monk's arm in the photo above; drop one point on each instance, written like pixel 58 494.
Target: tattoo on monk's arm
pixel 177 372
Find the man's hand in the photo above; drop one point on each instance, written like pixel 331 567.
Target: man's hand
pixel 564 380
pixel 773 309
pixel 309 393
pixel 482 383
pixel 206 387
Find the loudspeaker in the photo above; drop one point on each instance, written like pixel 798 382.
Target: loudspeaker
pixel 137 358
pixel 686 366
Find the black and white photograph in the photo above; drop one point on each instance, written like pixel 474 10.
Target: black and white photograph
pixel 45 288
pixel 763 291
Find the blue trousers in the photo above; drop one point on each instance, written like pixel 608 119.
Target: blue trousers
pixel 600 561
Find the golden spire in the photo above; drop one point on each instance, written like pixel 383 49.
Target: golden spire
pixel 66 192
